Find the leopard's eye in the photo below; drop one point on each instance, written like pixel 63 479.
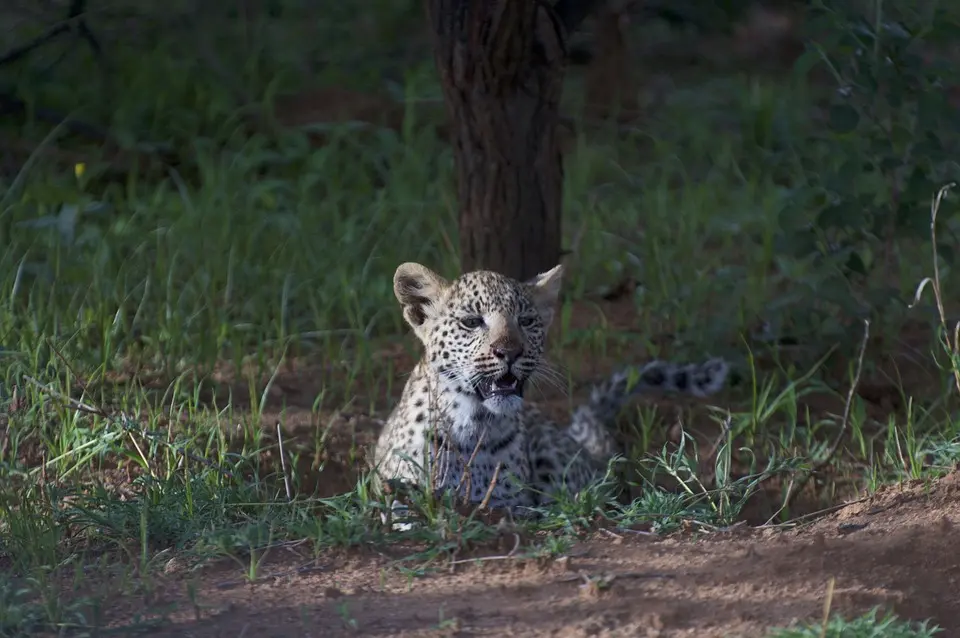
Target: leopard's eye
pixel 471 323
pixel 526 321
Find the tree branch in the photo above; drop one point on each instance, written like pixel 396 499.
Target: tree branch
pixel 74 20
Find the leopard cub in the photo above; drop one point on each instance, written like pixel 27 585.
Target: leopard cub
pixel 462 420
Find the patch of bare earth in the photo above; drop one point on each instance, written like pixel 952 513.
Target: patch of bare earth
pixel 895 549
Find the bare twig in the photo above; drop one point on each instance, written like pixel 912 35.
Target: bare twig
pixel 74 21
pixel 78 406
pixel 283 463
pixel 56 351
pixel 606 531
pixel 813 515
pixel 466 475
pixel 638 532
pixel 493 483
pixel 713 528
pixel 796 485
pixel 609 577
pixel 511 554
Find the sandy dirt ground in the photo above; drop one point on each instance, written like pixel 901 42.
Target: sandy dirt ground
pixel 895 550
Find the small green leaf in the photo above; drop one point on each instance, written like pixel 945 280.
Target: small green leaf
pixel 806 63
pixel 860 260
pixel 843 118
pixel 799 244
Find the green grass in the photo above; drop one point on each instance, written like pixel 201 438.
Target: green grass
pixel 120 298
pixel 869 625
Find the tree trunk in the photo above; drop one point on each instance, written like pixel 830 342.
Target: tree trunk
pixel 501 63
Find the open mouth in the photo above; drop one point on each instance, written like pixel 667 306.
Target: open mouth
pixel 505 386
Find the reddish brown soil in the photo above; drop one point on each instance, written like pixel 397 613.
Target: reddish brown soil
pixel 894 550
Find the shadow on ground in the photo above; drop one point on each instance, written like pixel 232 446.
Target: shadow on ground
pixel 894 550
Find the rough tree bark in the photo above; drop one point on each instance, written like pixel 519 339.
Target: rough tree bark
pixel 501 63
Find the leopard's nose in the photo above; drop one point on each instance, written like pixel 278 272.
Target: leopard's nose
pixel 508 352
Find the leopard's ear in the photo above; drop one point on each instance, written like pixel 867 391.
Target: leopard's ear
pixel 545 289
pixel 417 289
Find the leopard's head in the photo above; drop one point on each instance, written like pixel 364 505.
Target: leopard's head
pixel 483 333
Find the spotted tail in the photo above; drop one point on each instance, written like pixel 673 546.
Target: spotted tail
pixel 590 426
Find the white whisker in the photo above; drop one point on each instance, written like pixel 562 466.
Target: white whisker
pixel 550 376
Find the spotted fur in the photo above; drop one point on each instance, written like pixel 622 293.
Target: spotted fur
pixel 462 407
